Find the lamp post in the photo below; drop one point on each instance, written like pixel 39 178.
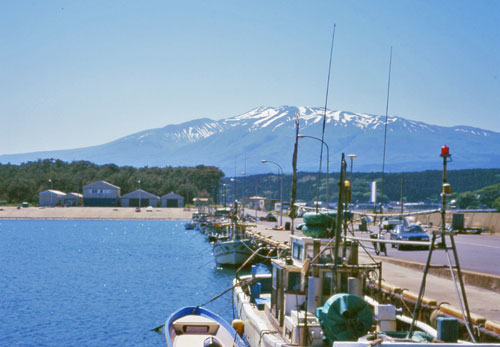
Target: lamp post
pixel 351 156
pixel 51 186
pixel 232 179
pixel 243 191
pixel 281 187
pixel 327 162
pixel 140 195
pixel 223 197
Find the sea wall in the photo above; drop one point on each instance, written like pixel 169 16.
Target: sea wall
pixel 488 220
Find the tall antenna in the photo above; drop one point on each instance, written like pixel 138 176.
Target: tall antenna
pixel 385 132
pixel 324 115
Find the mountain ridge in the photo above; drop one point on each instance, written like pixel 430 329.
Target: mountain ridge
pixel 240 142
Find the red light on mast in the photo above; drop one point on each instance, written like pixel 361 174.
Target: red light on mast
pixel 445 151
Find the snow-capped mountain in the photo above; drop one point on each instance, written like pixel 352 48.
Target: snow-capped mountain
pixel 239 143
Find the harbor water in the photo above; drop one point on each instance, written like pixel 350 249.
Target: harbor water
pixel 102 283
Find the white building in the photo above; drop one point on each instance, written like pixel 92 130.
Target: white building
pixel 50 197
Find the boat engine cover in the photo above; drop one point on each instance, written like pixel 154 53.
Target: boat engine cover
pixel 345 317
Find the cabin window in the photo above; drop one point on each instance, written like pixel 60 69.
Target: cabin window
pixel 275 277
pixel 297 251
pixel 309 251
pixel 196 329
pixel 293 282
pixel 327 284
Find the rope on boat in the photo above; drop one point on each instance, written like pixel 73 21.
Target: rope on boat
pixel 242 283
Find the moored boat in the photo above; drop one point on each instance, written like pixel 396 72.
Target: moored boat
pixel 197 326
pixel 232 252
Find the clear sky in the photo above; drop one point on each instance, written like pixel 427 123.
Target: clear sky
pixel 81 73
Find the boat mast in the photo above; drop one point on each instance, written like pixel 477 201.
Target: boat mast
pixel 324 124
pixel 293 208
pixel 385 132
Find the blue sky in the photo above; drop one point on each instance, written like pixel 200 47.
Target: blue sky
pixel 81 73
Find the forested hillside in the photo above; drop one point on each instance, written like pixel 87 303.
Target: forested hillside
pixel 23 182
pixel 481 198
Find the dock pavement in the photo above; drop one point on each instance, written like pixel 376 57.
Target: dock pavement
pixel 400 273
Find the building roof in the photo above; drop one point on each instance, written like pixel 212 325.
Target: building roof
pixel 257 198
pixel 200 199
pixel 53 192
pixel 139 193
pixel 73 195
pixel 100 184
pixel 172 195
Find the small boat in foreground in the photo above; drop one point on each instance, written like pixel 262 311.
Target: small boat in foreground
pixel 197 326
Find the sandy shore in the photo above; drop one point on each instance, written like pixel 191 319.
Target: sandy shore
pixel 159 213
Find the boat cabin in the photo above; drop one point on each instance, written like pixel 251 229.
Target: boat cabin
pixel 310 269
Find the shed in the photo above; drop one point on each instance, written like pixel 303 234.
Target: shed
pixel 50 197
pixel 140 198
pixel 72 199
pixel 172 200
pixel 257 203
pixel 101 193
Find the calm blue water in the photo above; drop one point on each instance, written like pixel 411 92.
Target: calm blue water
pixel 101 283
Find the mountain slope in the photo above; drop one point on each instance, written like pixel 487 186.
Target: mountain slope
pixel 268 133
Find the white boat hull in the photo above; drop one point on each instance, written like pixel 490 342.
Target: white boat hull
pixel 258 330
pixel 232 252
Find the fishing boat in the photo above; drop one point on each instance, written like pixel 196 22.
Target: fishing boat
pixel 197 326
pixel 232 252
pixel 280 308
pixel 189 225
pixel 319 294
pixel 235 248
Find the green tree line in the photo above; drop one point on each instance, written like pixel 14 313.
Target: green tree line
pixel 24 182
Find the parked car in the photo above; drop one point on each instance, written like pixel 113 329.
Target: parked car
pixel 412 232
pixel 270 218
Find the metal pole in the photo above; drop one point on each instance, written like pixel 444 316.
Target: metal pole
pixel 140 195
pixel 402 197
pixel 280 171
pixel 51 186
pixel 327 162
pixel 281 197
pixel 351 156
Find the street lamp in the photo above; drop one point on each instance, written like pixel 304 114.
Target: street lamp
pixel 243 191
pixel 281 187
pixel 327 162
pixel 224 193
pixel 232 179
pixel 351 156
pixel 51 186
pixel 140 195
